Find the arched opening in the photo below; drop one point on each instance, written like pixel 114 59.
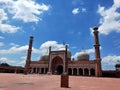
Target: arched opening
pixel 34 69
pixel 92 72
pixel 57 65
pixel 69 71
pixel 37 70
pixel 86 72
pixel 80 71
pixel 46 69
pixel 59 69
pixel 42 70
pixel 74 71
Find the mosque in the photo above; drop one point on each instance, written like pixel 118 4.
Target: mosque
pixel 60 62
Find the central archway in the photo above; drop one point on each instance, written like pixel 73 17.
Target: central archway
pixel 57 65
pixel 59 69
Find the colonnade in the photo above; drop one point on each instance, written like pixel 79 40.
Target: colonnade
pixel 39 70
pixel 71 71
pixel 81 71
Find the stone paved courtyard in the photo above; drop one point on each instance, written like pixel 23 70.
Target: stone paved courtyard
pixel 52 82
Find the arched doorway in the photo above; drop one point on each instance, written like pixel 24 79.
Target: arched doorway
pixel 57 65
pixel 92 72
pixel 80 71
pixel 86 72
pixel 69 71
pixel 42 70
pixel 74 71
pixel 59 69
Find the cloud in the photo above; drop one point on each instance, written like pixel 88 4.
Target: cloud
pixel 4 27
pixel 75 11
pixel 25 10
pixel 12 62
pixel 3 60
pixel 3 15
pixel 110 18
pixel 74 47
pixel 13 44
pixel 110 59
pixel 90 50
pixel 18 50
pixel 83 10
pixel 1 37
pixel 54 44
pixel 78 10
pixel 1 44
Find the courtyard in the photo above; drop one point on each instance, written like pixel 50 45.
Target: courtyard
pixel 52 82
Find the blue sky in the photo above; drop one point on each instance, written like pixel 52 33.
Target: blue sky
pixel 53 22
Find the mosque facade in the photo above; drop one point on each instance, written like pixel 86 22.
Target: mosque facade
pixel 59 61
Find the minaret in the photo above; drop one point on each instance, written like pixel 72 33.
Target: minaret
pixel 66 59
pixel 97 52
pixel 28 59
pixel 96 43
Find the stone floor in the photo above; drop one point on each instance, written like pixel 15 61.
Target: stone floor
pixel 52 82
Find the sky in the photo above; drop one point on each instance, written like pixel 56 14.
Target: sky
pixel 54 22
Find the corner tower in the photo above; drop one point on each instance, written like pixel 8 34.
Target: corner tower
pixel 28 59
pixel 97 52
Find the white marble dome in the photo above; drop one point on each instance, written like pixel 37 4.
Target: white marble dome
pixel 45 57
pixel 83 55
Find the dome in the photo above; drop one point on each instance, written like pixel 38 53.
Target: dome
pixel 117 64
pixel 45 57
pixel 83 55
pixel 68 54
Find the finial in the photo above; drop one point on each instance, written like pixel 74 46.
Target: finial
pixel 31 36
pixel 95 28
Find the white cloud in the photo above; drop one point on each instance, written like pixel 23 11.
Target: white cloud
pixel 7 28
pixel 117 3
pixel 75 11
pixel 90 50
pixel 13 62
pixel 55 46
pixel 78 10
pixel 1 37
pixel 110 18
pixel 25 10
pixel 3 15
pixel 18 50
pixel 111 59
pixel 1 44
pixel 4 27
pixel 74 47
pixel 83 10
pixel 3 60
pixel 13 44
